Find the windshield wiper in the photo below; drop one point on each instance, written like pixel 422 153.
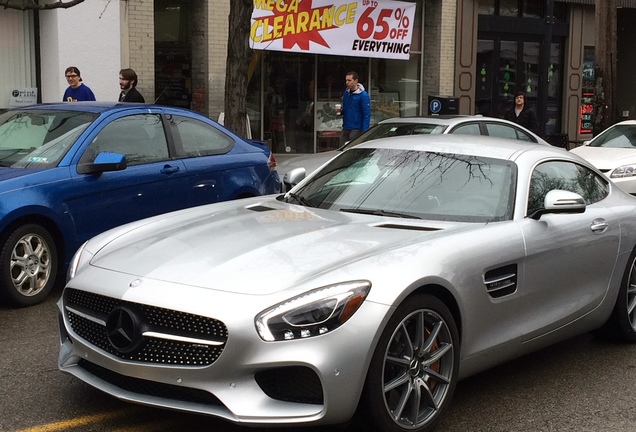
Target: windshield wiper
pixel 377 212
pixel 299 199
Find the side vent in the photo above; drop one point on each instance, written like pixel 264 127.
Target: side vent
pixel 502 281
pixel 260 208
pixel 408 227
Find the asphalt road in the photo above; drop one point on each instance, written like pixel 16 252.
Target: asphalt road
pixel 581 385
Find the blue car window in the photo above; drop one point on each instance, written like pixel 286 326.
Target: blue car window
pixel 141 138
pixel 200 139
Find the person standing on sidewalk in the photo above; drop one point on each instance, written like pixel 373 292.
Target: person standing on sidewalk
pixel 356 109
pixel 522 114
pixel 76 90
pixel 128 86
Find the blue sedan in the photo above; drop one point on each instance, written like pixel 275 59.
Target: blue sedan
pixel 69 171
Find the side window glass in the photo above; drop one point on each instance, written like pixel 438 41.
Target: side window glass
pixel 467 129
pixel 565 176
pixel 141 138
pixel 501 131
pixel 522 136
pixel 199 138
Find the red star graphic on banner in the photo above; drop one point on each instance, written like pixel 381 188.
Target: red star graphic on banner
pixel 302 39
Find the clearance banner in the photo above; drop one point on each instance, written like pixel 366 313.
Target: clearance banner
pixel 360 28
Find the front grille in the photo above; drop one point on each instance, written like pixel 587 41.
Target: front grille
pixel 88 313
pixel 150 388
pixel 291 384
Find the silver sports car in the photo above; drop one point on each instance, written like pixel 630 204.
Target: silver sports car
pixel 364 294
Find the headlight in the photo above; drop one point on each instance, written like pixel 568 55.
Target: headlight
pixel 624 171
pixel 81 258
pixel 312 313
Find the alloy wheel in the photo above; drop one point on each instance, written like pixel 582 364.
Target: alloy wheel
pixel 418 369
pixel 30 266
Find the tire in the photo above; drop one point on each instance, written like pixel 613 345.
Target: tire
pixel 399 372
pixel 28 264
pixel 621 326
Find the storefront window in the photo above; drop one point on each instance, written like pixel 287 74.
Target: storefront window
pixel 329 88
pixel 394 88
pixel 173 55
pixel 253 98
pixel 485 69
pixel 507 75
pixel 533 9
pixel 292 96
pixel 287 101
pixel 486 7
pixel 18 61
pixel 554 89
pixel 509 8
pixel 528 8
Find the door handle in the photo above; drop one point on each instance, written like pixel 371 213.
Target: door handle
pixel 599 226
pixel 169 169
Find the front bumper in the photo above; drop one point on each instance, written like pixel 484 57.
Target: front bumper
pixel 316 380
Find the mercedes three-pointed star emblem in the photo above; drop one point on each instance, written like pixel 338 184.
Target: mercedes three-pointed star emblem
pixel 123 329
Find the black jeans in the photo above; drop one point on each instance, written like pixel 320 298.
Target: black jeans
pixel 348 135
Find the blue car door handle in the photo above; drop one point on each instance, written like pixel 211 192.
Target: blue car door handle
pixel 169 169
pixel 599 226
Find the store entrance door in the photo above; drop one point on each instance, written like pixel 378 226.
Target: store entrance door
pixel 506 65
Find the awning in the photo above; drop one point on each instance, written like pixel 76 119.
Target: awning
pixel 619 3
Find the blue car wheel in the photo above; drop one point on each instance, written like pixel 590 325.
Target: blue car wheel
pixel 29 265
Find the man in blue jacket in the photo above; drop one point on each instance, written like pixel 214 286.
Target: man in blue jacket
pixel 356 109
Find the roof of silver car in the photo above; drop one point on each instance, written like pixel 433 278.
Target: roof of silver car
pixel 441 119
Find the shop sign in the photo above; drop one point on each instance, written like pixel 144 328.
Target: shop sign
pixel 23 96
pixel 587 113
pixel 362 28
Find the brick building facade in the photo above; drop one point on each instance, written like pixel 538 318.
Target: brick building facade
pixel 478 51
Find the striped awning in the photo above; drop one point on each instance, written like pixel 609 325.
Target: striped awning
pixel 619 3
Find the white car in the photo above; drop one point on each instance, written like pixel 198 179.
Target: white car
pixel 424 125
pixel 613 151
pixel 365 293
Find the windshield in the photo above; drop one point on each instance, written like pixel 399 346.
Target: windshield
pixel 386 130
pixel 620 136
pixel 413 184
pixel 39 139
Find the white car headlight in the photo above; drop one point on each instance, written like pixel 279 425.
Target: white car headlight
pixel 81 258
pixel 624 171
pixel 312 313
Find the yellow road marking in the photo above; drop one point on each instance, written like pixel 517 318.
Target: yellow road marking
pixel 73 423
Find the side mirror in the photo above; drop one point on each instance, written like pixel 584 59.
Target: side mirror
pixel 586 143
pixel 104 162
pixel 561 201
pixel 293 177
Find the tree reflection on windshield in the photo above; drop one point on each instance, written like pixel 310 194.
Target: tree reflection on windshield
pixel 415 184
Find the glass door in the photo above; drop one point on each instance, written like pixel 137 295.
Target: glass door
pixel 505 66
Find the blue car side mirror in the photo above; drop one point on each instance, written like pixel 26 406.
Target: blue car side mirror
pixel 104 162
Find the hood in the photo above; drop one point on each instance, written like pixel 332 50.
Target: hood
pixel 606 158
pixel 9 173
pixel 244 248
pixel 360 89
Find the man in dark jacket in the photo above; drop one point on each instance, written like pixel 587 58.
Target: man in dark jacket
pixel 128 84
pixel 522 114
pixel 356 109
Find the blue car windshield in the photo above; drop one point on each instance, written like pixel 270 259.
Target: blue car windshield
pixel 39 139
